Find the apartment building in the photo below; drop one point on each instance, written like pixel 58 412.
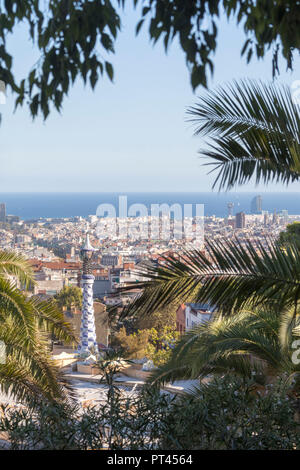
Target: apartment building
pixel 189 315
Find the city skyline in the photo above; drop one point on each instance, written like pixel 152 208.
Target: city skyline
pixel 60 205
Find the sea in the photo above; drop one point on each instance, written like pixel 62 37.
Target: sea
pixel 59 205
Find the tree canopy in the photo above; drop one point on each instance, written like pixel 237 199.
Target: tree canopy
pixel 74 38
pixel 159 319
pixel 291 234
pixel 69 296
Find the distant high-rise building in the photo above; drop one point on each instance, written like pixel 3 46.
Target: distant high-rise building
pixel 256 205
pixel 285 215
pixel 2 212
pixel 230 206
pixel 266 217
pixel 240 220
pixel 275 217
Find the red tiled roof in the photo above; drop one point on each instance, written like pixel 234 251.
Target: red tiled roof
pixel 36 264
pixel 61 265
pixel 55 265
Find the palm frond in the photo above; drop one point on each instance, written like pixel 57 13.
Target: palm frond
pixel 231 276
pixel 12 264
pixel 14 304
pixel 25 327
pixel 18 381
pixel 29 361
pixel 289 330
pixel 254 130
pixel 246 343
pixel 50 319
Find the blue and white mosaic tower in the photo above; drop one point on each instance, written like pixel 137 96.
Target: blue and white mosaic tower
pixel 88 341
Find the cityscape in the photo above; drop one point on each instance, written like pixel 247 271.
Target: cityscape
pixel 52 248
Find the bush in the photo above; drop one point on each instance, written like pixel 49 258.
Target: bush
pixel 160 345
pixel 149 343
pixel 120 423
pixel 134 346
pixel 228 413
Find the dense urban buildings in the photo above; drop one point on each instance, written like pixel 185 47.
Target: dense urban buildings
pixel 52 247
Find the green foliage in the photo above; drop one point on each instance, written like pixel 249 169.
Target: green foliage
pixel 25 326
pixel 161 344
pixel 232 276
pixel 253 130
pixel 225 414
pixel 159 319
pixel 228 414
pixel 154 335
pixel 67 35
pixel 123 423
pixel 150 343
pixel 290 235
pixel 133 345
pixel 74 39
pixel 69 296
pixel 257 344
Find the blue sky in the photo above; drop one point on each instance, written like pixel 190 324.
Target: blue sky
pixel 128 136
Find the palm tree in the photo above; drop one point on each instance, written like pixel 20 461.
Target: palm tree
pixel 27 372
pixel 254 131
pixel 68 297
pixel 256 344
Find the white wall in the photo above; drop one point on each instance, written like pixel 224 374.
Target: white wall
pixel 192 320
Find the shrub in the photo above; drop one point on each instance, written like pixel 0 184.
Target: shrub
pixel 148 343
pixel 161 344
pixel 133 346
pixel 228 413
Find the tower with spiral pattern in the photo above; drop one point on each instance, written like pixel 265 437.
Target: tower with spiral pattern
pixel 88 341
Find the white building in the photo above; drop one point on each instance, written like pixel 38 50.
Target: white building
pixel 196 313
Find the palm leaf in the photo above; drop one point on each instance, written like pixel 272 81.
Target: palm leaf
pixel 50 319
pixel 25 328
pixel 254 130
pixel 12 264
pixel 245 343
pixel 231 276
